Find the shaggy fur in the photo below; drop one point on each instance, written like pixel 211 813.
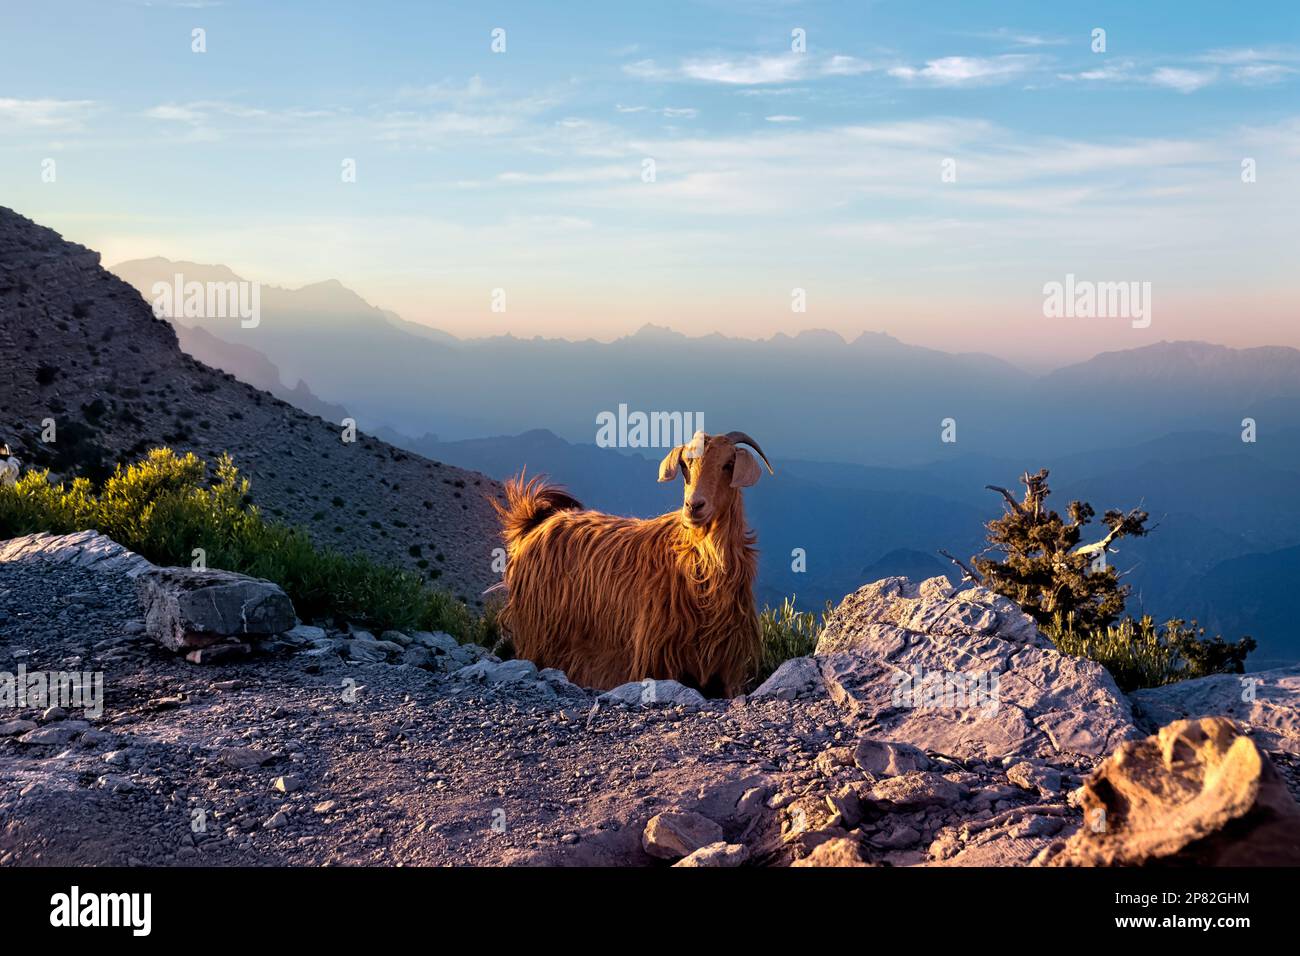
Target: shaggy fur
pixel 610 600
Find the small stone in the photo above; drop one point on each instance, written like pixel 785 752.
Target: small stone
pixel 1031 776
pixel 836 852
pixel 897 838
pixel 54 736
pixel 115 782
pixel 52 714
pixel 325 806
pixel 915 790
pixel 219 653
pixel 279 819
pixel 569 839
pixel 719 854
pixel 11 728
pixel 289 783
pixel 652 693
pixel 417 656
pixel 884 758
pixel 242 758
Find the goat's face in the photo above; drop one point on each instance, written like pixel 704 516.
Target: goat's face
pixel 714 468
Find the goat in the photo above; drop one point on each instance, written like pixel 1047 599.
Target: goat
pixel 609 600
pixel 9 467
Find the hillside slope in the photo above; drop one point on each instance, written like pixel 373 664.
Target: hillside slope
pixel 81 347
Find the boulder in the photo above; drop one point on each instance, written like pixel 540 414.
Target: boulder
pixel 962 671
pixel 186 609
pixel 671 836
pixel 1267 703
pixel 1197 793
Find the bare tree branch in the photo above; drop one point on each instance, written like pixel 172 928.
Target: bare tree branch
pixel 1015 505
pixel 967 574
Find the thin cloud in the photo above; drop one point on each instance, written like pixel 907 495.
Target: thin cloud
pixel 1021 38
pixel 1182 80
pixel 847 66
pixel 47 113
pixel 746 71
pixel 967 70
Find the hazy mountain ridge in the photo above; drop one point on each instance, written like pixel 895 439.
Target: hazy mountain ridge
pixel 872 399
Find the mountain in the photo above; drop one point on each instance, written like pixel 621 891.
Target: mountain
pixel 1180 385
pixel 80 347
pixel 906 563
pixel 251 366
pixel 1250 594
pixel 871 400
pixel 812 392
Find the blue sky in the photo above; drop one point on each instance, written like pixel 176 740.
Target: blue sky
pixel 774 169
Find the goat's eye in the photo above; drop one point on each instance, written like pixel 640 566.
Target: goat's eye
pixel 729 466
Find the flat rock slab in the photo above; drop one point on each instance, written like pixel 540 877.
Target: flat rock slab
pixel 186 609
pixel 84 549
pixel 1267 703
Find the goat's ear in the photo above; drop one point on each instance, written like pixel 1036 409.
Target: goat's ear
pixel 745 471
pixel 672 461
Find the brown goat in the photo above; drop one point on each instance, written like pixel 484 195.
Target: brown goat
pixel 610 600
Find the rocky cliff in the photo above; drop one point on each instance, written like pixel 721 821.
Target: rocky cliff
pixel 81 349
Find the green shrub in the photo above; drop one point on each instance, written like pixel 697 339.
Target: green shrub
pixel 165 506
pixel 787 633
pixel 1143 654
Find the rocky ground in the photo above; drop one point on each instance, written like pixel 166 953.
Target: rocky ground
pixel 326 748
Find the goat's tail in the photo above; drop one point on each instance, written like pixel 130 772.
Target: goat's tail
pixel 528 504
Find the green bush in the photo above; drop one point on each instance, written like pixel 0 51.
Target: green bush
pixel 787 633
pixel 1143 654
pixel 164 507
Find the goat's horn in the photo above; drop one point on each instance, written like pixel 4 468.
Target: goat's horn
pixel 740 438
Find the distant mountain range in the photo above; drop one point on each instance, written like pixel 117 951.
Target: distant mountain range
pixel 873 400
pixel 865 485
